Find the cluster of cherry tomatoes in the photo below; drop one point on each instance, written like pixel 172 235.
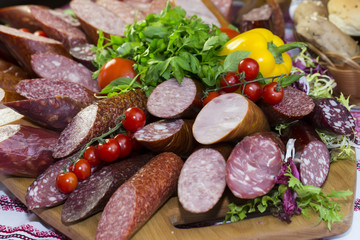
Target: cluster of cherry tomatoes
pixel 117 147
pixel 36 33
pixel 272 93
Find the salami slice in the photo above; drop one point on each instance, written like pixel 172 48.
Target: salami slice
pixel 95 120
pixel 330 115
pixel 94 192
pixel 257 18
pixel 311 154
pixel 58 29
pixel 138 198
pixel 172 135
pixel 19 17
pixel 294 106
pixel 54 112
pixel 253 165
pixel 202 180
pixel 25 151
pixel 51 87
pixel 49 65
pixel 84 54
pixel 173 100
pixel 228 117
pixel 66 17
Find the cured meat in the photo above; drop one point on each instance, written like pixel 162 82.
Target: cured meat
pixel 228 117
pixel 138 198
pixel 95 120
pixel 172 135
pixel 25 151
pixel 10 75
pixel 295 105
pixel 310 152
pixel 142 6
pixel 156 6
pixel 202 180
pixel 173 100
pixel 94 192
pixel 66 17
pixel 330 115
pixel 257 18
pixel 50 87
pixel 83 54
pixel 50 65
pixel 58 29
pixel 94 17
pixel 253 165
pixel 278 22
pixel 19 17
pixel 123 10
pixel 22 45
pixel 53 112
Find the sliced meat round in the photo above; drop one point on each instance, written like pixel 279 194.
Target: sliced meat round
pixel 94 192
pixel 138 198
pixel 66 17
pixel 253 165
pixel 51 87
pixel 202 180
pixel 330 115
pixel 25 151
pixel 173 100
pixel 294 105
pixel 167 135
pixel 50 65
pixel 257 18
pixel 228 117
pixel 83 54
pixel 19 17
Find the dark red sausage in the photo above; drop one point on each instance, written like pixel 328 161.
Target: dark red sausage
pixel 257 18
pixel 19 17
pixel 253 165
pixel 139 197
pixel 100 186
pixel 25 151
pixel 84 54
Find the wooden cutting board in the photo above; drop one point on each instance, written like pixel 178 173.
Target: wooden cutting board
pixel 160 226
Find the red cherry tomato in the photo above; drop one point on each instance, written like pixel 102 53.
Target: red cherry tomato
pixel 90 154
pixel 230 79
pixel 40 33
pixel 24 30
pixel 229 31
pixel 136 146
pixel 273 93
pixel 66 182
pixel 115 68
pixel 253 91
pixel 135 119
pixel 81 168
pixel 210 97
pixel 125 145
pixel 108 151
pixel 250 67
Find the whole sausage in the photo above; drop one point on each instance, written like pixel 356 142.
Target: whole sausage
pixel 101 185
pixel 25 151
pixel 95 120
pixel 138 198
pixel 253 165
pixel 228 117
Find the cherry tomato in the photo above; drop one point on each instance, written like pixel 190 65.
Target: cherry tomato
pixel 135 119
pixel 90 154
pixel 82 169
pixel 229 31
pixel 134 143
pixel 250 67
pixel 230 79
pixel 125 144
pixel 24 30
pixel 108 151
pixel 210 97
pixel 115 68
pixel 273 93
pixel 253 91
pixel 66 182
pixel 40 33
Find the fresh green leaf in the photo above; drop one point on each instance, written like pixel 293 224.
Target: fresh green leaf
pixel 232 60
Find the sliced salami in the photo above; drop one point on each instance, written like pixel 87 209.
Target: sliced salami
pixel 330 115
pixel 173 100
pixel 95 120
pixel 228 117
pixel 253 165
pixel 66 17
pixel 202 180
pixel 19 17
pixel 51 87
pixel 257 18
pixel 138 198
pixel 84 54
pixel 94 192
pixel 172 135
pixel 25 151
pixel 50 65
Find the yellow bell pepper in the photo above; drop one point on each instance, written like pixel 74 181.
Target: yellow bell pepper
pixel 266 48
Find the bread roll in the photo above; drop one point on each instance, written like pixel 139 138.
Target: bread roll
pixel 345 14
pixel 309 8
